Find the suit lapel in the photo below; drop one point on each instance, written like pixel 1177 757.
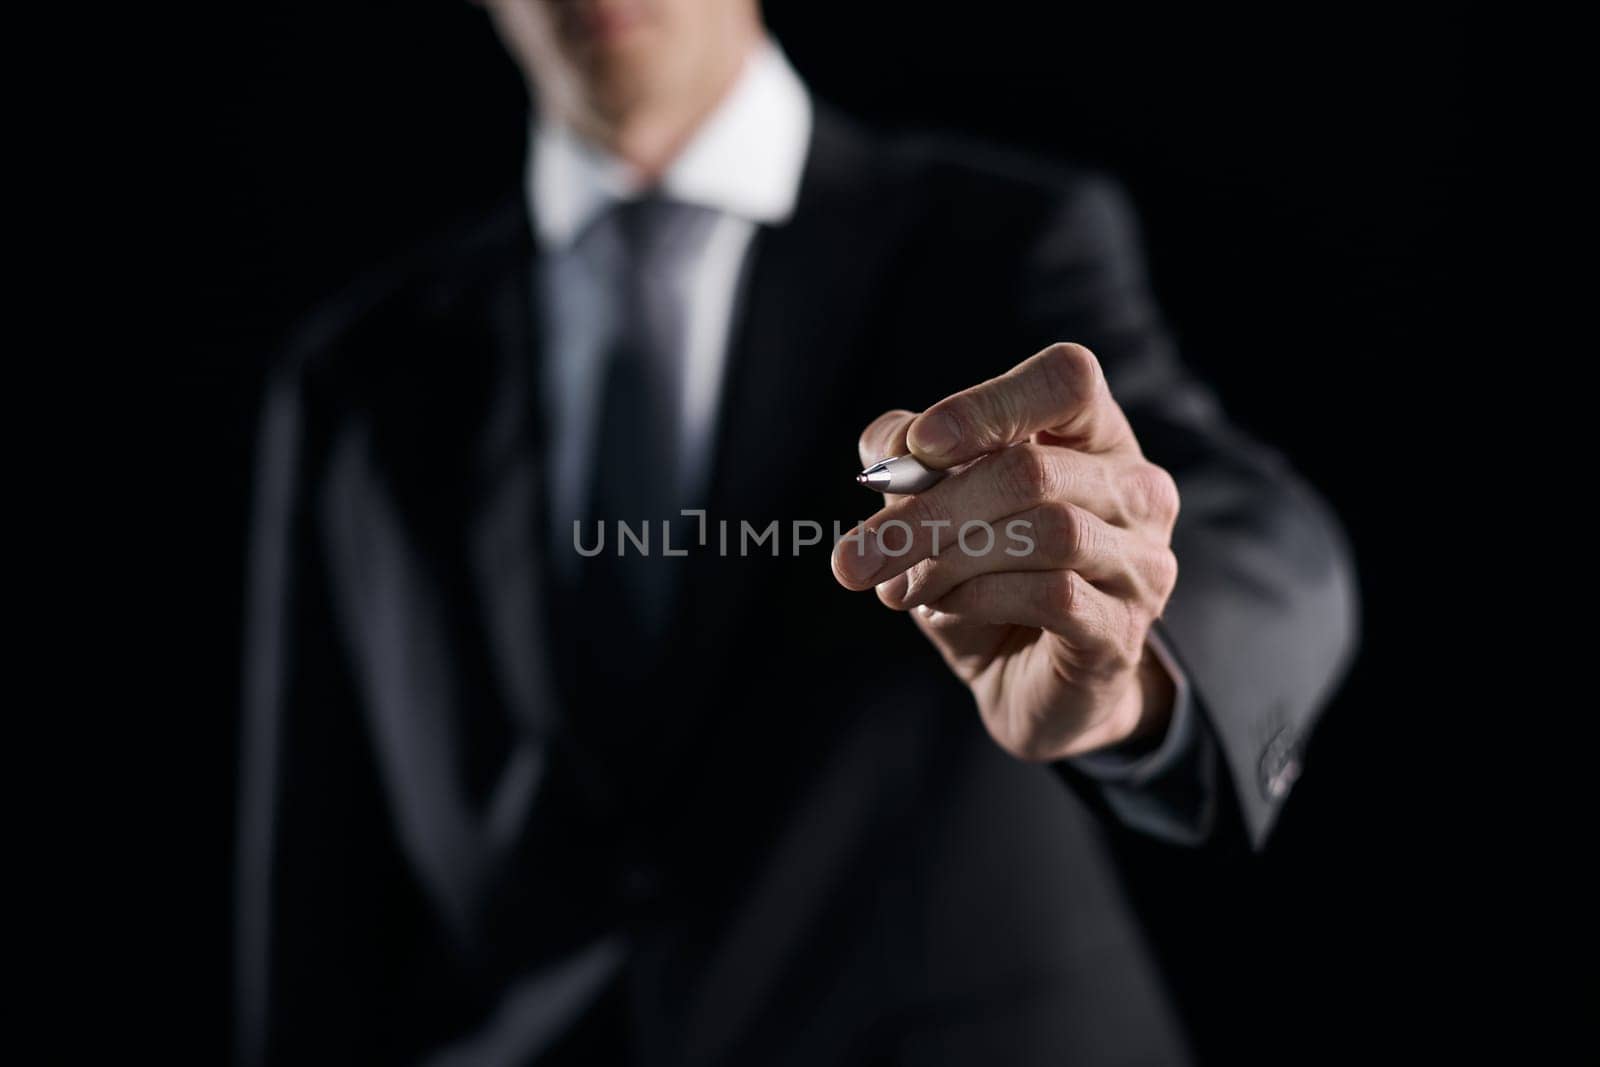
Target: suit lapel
pixel 507 549
pixel 507 538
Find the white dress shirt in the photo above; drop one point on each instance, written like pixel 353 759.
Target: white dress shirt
pixel 745 162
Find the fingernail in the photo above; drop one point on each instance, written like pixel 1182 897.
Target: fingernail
pixel 895 589
pixel 862 557
pixel 935 435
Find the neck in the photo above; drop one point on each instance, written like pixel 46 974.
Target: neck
pixel 649 133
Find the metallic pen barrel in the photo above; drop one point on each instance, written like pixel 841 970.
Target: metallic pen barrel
pixel 902 474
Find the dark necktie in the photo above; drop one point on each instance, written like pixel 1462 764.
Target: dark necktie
pixel 627 591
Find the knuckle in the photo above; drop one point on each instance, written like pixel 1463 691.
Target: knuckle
pixel 1070 370
pixel 1027 474
pixel 1061 530
pixel 1166 574
pixel 1060 594
pixel 1154 493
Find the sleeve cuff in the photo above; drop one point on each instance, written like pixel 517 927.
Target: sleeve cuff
pixel 1169 792
pixel 1108 765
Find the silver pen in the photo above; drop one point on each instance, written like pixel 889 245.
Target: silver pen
pixel 902 474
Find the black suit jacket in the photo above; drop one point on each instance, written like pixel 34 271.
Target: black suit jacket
pixel 813 855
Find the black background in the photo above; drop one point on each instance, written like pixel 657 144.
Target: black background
pixel 1300 179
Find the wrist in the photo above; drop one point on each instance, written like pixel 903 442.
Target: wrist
pixel 1145 709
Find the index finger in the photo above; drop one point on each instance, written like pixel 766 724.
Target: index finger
pixel 884 437
pixel 1061 392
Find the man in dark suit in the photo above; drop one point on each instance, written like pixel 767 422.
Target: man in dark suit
pixel 506 798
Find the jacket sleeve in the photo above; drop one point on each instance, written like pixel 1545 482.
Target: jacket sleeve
pixel 1263 619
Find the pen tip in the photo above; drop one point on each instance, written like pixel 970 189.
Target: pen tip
pixel 875 478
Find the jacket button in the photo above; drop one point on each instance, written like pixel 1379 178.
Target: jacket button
pixel 1280 764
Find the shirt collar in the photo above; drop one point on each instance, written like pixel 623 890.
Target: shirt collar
pixel 745 159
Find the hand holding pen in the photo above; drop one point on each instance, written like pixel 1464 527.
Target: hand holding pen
pixel 1052 642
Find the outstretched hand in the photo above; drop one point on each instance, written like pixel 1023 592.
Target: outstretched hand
pixel 1039 564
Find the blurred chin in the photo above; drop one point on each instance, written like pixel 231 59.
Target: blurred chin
pixel 615 86
pixel 611 26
